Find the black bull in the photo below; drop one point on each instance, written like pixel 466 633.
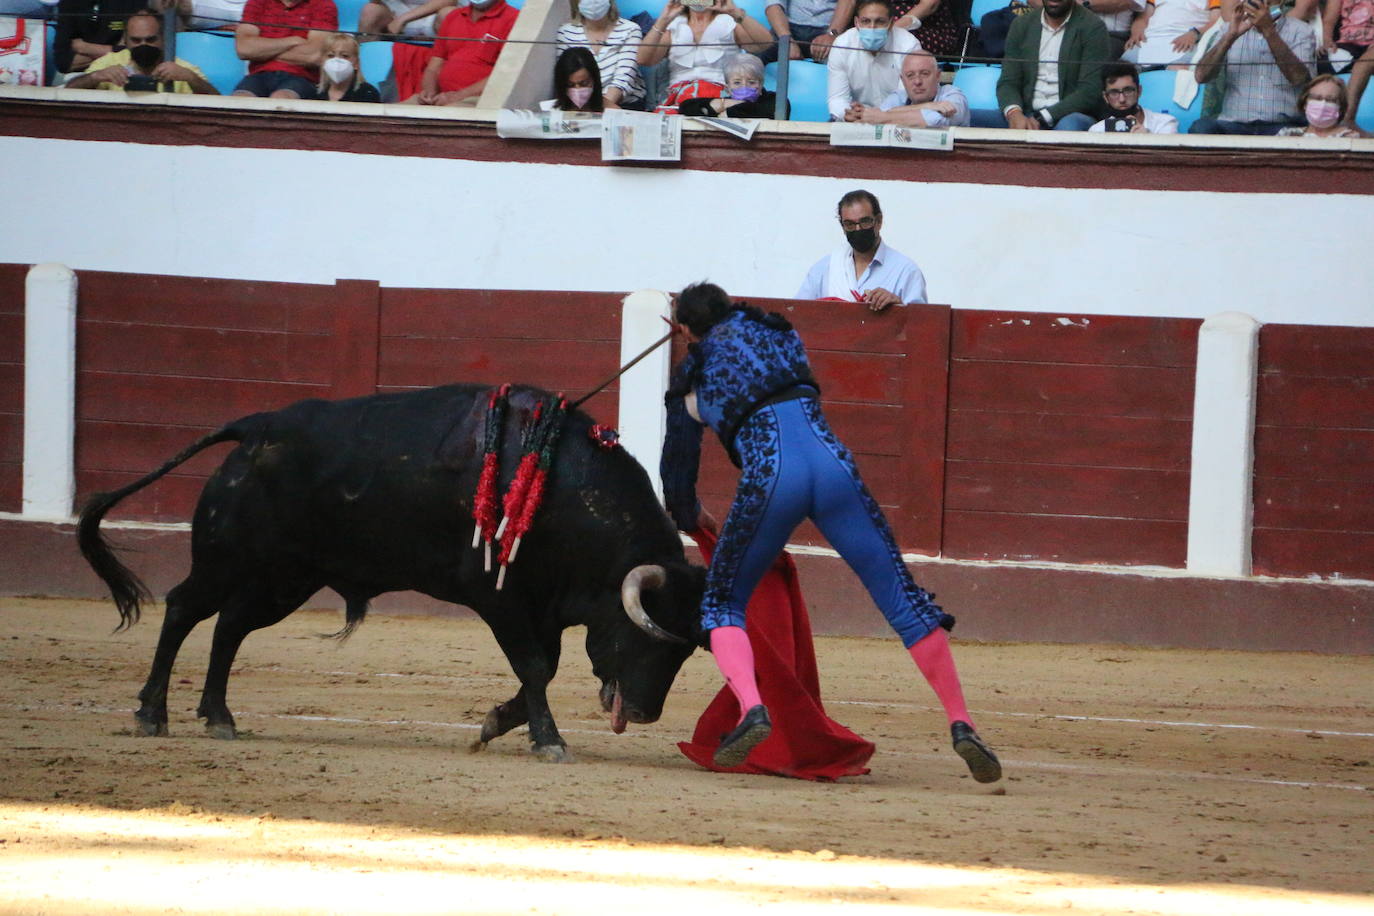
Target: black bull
pixel 374 495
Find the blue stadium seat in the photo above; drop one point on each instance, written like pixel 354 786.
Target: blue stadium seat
pixel 214 55
pixel 1157 89
pixel 754 8
pixel 1364 115
pixel 1157 94
pixel 375 57
pixel 349 11
pixel 631 8
pixel 979 85
pixel 981 8
pixel 807 91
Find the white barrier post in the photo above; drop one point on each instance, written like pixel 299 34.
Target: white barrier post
pixel 49 391
pixel 1220 503
pixel 643 420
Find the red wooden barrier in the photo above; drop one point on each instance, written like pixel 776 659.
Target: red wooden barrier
pixel 11 385
pixel 561 341
pixel 1069 438
pixel 164 360
pixel 1314 452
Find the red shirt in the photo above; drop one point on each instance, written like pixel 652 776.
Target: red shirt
pixel 466 62
pixel 275 19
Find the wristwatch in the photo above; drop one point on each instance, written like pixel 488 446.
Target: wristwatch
pixel 832 33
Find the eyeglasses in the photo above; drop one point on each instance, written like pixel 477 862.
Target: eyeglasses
pixel 1122 93
pixel 849 225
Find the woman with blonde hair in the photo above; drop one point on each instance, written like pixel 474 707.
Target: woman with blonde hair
pixel 597 26
pixel 341 73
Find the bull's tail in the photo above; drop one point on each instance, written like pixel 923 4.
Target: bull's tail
pixel 127 589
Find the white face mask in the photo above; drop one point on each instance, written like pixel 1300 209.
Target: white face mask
pixel 594 9
pixel 697 5
pixel 338 69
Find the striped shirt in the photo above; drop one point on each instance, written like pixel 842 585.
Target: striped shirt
pixel 615 58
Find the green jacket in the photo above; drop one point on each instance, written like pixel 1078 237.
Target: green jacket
pixel 1081 54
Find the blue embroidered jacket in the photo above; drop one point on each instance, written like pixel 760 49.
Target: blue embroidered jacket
pixel 746 359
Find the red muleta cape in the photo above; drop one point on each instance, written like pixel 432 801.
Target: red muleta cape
pixel 805 743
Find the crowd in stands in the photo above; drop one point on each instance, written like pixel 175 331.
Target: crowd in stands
pixel 1069 65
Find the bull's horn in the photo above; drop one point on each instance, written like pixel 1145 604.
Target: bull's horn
pixel 642 577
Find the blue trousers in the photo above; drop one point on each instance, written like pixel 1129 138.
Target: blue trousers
pixel 794 468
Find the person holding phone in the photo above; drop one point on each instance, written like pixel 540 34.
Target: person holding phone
pixel 1264 60
pixel 137 66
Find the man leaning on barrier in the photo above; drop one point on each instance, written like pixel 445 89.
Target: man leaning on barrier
pixel 922 101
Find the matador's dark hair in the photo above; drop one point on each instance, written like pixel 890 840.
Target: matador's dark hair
pixel 703 305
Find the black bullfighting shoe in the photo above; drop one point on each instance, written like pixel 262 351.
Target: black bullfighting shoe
pixel 735 747
pixel 982 762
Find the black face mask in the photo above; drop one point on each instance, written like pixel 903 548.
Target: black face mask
pixel 146 57
pixel 862 240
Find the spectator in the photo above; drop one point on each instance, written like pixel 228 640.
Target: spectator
pixel 813 26
pixel 1169 31
pixel 866 62
pixel 1121 18
pixel 1121 92
pixel 458 71
pixel 744 96
pixel 1261 61
pixel 934 24
pixel 1356 37
pixel 864 269
pixel 138 64
pixel 89 29
pixel 577 82
pixel 283 42
pixel 1324 103
pixel 922 101
pixel 413 18
pixel 597 26
pixel 341 74
pixel 695 38
pixel 1052 73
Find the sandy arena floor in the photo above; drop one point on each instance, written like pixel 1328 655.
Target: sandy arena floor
pixel 1138 781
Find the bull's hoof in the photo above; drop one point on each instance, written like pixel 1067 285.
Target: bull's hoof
pixel 221 731
pixel 552 753
pixel 477 746
pixel 146 728
pixel 491 726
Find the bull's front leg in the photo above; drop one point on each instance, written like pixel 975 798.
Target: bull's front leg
pixel 511 714
pixel 534 659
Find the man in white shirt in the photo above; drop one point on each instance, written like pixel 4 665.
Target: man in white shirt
pixel 922 101
pixel 864 269
pixel 865 61
pixel 1121 91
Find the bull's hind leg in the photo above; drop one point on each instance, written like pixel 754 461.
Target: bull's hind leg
pixel 187 605
pixel 248 611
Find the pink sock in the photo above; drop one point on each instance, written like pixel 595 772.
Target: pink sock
pixel 735 659
pixel 933 657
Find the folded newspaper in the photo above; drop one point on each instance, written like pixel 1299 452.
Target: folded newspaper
pixel 546 125
pixel 640 135
pixel 853 133
pixel 740 128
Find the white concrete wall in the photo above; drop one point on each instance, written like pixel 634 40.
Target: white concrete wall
pixel 453 223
